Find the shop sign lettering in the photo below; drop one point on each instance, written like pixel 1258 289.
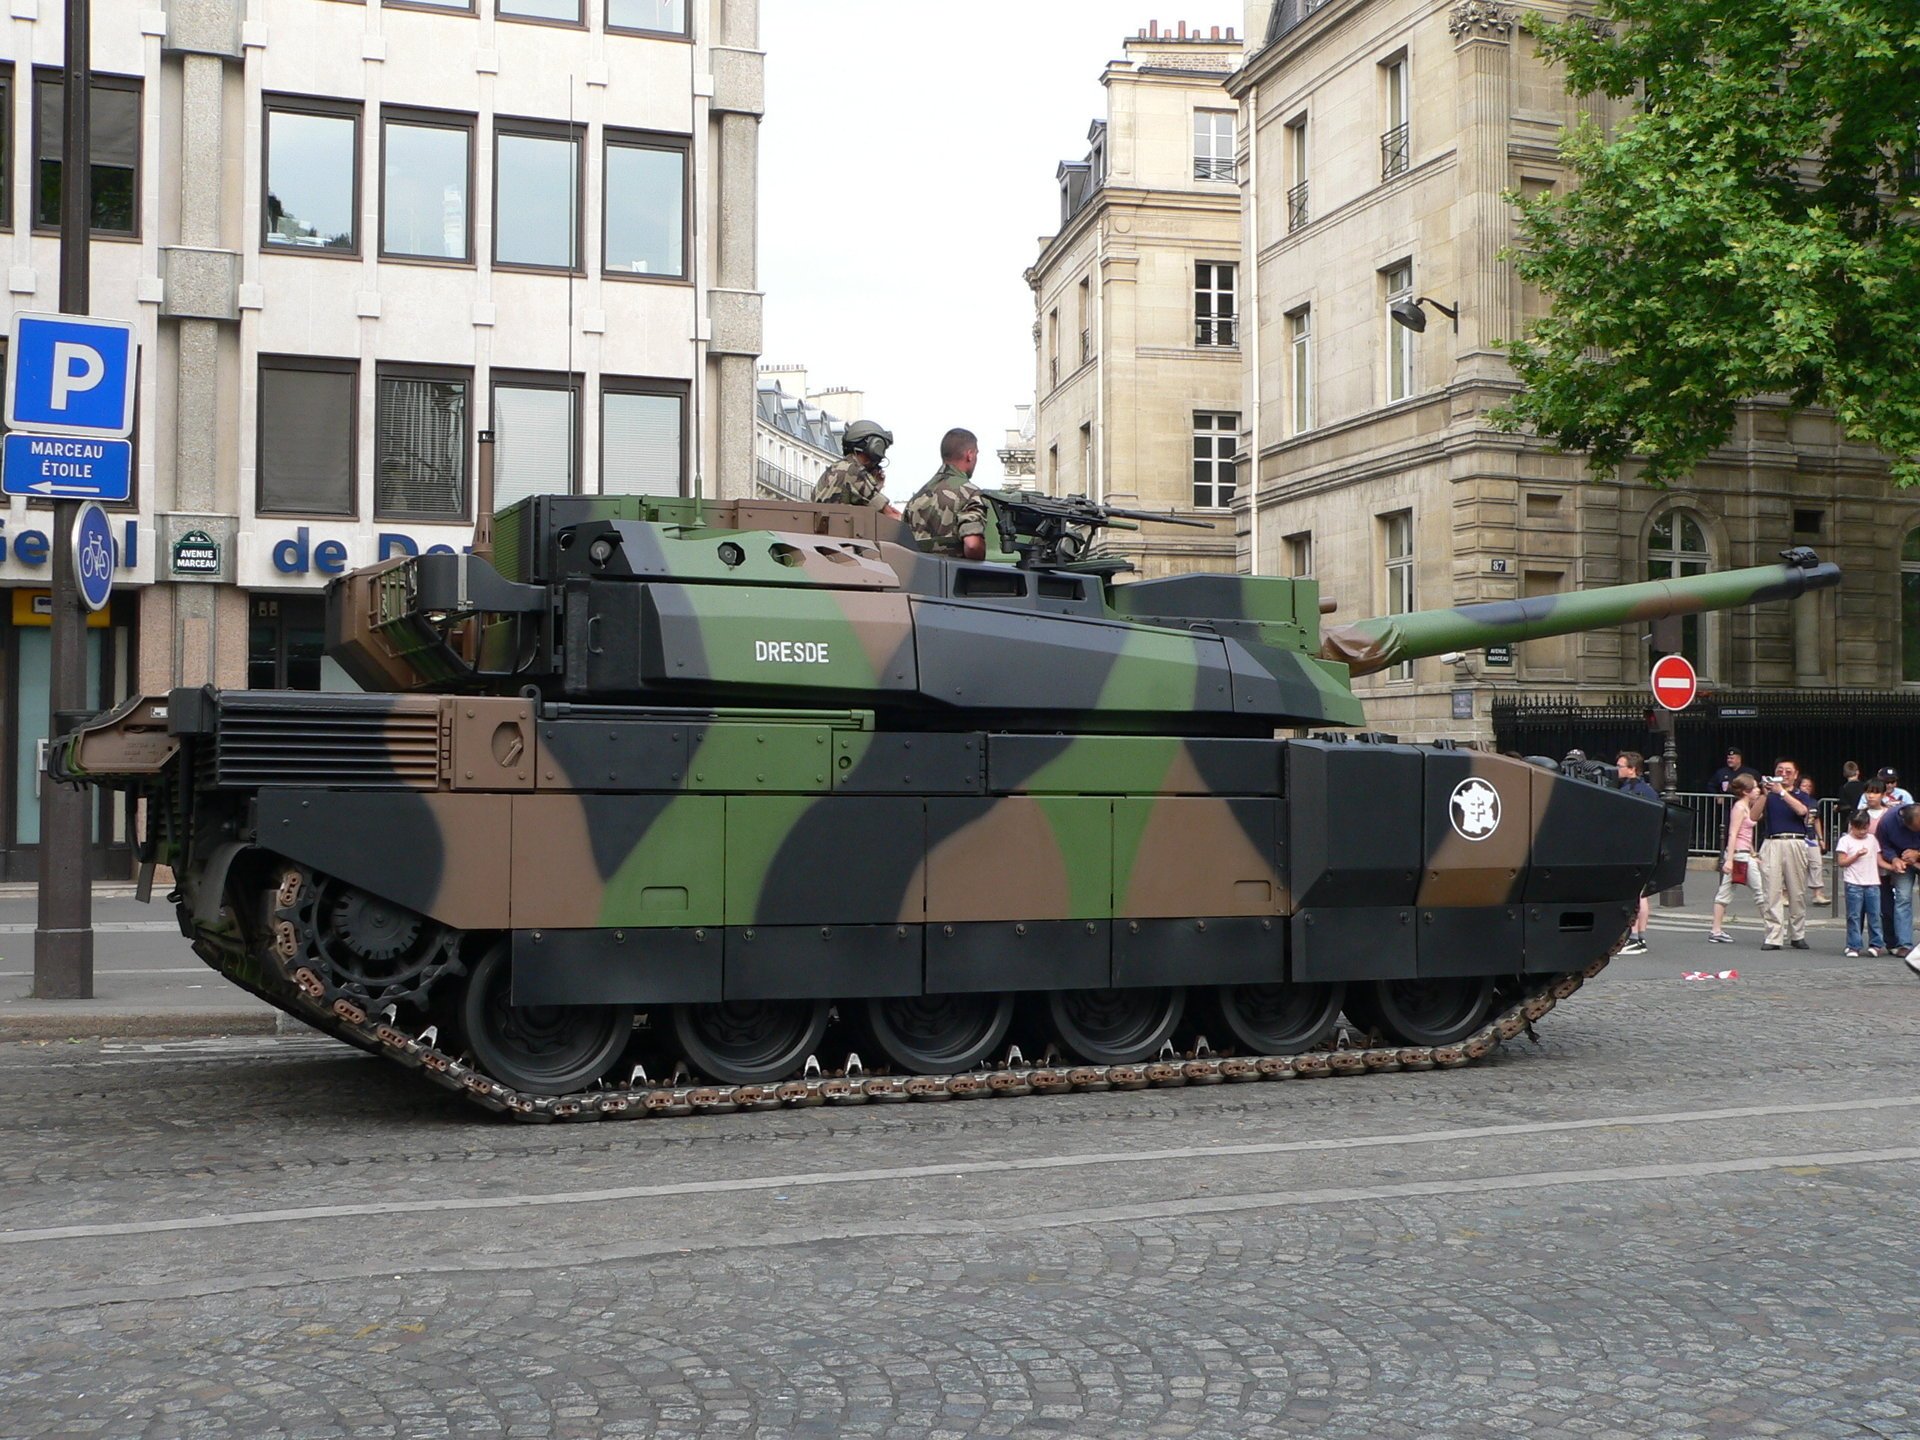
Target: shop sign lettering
pixel 33 548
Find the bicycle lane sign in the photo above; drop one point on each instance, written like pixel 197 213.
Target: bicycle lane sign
pixel 93 555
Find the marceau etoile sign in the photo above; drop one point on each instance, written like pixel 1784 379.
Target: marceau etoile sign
pixel 69 408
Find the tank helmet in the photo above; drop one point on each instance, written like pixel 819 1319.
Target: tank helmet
pixel 868 438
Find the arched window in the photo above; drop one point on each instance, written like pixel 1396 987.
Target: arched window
pixel 1910 608
pixel 1676 547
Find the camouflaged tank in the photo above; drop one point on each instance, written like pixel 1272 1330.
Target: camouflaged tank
pixel 722 788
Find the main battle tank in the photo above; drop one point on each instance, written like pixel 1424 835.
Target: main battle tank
pixel 707 792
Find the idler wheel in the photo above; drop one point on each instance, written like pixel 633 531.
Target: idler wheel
pixel 940 1034
pixel 1279 1019
pixel 545 1049
pixel 750 1042
pixel 1428 1012
pixel 1114 1027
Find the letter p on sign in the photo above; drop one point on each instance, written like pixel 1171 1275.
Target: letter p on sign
pixel 71 375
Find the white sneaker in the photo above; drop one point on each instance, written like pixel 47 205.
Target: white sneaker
pixel 1853 954
pixel 1912 961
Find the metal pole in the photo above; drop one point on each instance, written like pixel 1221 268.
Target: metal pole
pixel 63 930
pixel 1669 786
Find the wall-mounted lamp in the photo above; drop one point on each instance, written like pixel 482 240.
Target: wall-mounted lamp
pixel 1409 313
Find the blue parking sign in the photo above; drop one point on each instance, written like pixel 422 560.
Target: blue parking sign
pixel 70 375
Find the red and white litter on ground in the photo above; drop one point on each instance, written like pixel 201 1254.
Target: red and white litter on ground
pixel 1711 975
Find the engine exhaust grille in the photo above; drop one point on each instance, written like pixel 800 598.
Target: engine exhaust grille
pixel 373 742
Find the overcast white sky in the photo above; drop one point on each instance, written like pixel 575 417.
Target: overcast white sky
pixel 906 174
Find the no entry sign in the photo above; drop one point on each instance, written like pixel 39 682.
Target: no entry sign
pixel 1674 683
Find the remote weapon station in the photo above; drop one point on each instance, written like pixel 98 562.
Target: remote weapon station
pixel 655 804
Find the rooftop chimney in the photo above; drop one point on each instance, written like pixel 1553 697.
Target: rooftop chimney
pixel 1153 29
pixel 1183 30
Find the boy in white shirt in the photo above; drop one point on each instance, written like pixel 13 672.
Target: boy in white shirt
pixel 1859 857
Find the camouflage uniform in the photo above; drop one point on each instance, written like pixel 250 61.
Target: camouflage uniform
pixel 946 510
pixel 850 483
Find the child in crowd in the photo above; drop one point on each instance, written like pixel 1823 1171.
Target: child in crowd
pixel 1858 854
pixel 1738 864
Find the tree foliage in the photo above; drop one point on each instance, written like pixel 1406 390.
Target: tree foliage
pixel 1752 229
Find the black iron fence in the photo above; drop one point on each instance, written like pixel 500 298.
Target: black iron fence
pixel 1817 728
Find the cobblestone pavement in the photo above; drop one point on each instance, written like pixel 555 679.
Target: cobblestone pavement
pixel 1692 1210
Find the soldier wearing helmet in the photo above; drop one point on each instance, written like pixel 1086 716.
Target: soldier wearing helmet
pixel 949 513
pixel 857 479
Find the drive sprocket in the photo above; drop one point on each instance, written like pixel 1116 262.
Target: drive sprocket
pixel 356 945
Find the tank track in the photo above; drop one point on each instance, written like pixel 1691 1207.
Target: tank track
pixel 302 995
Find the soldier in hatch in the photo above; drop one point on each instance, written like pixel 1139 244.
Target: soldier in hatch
pixel 857 479
pixel 949 512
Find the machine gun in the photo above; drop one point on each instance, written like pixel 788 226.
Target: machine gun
pixel 1055 532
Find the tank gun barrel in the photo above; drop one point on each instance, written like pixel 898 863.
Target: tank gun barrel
pixel 1370 645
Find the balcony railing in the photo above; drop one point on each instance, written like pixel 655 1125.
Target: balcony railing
pixel 1297 206
pixel 782 482
pixel 1053 370
pixel 1208 167
pixel 1394 153
pixel 1214 330
pixel 1086 346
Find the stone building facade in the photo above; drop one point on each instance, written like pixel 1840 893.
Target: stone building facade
pixel 351 238
pixel 1136 303
pixel 1379 139
pixel 797 430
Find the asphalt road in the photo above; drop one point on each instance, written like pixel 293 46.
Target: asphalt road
pixel 1692 1210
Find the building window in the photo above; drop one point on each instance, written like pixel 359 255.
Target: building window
pixel 427 161
pixel 312 168
pixel 536 436
pixel 308 417
pixel 1086 320
pixel 1216 443
pixel 420 443
pixel 114 151
pixel 1214 315
pixel 1299 211
pixel 1300 329
pixel 1213 145
pixel 1053 348
pixel 646 206
pixel 650 17
pixel 1396 534
pixel 558 12
pixel 1300 554
pixel 1910 608
pixel 1395 144
pixel 465 7
pixel 1087 486
pixel 1399 283
pixel 1677 546
pixel 1053 467
pixel 6 147
pixel 536 196
pixel 643 437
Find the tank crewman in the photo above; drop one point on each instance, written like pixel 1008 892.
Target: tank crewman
pixel 949 513
pixel 857 479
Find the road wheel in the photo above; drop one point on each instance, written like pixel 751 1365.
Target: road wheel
pixel 750 1042
pixel 1114 1027
pixel 1279 1019
pixel 542 1049
pixel 940 1034
pixel 1428 1012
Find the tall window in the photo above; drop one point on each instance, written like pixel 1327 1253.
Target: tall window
pixel 1300 554
pixel 655 17
pixel 1300 331
pixel 1910 608
pixel 536 435
pixel 1053 348
pixel 1213 145
pixel 1677 546
pixel 1086 463
pixel 536 196
pixel 313 175
pixel 642 438
pixel 1216 441
pixel 1214 313
pixel 1395 151
pixel 1086 320
pixel 420 443
pixel 1399 283
pixel 113 150
pixel 6 146
pixel 307 423
pixel 646 205
pixel 1396 535
pixel 428 170
pixel 1299 212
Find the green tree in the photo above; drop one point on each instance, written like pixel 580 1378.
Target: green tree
pixel 1753 229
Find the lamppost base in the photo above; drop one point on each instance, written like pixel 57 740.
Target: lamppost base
pixel 63 964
